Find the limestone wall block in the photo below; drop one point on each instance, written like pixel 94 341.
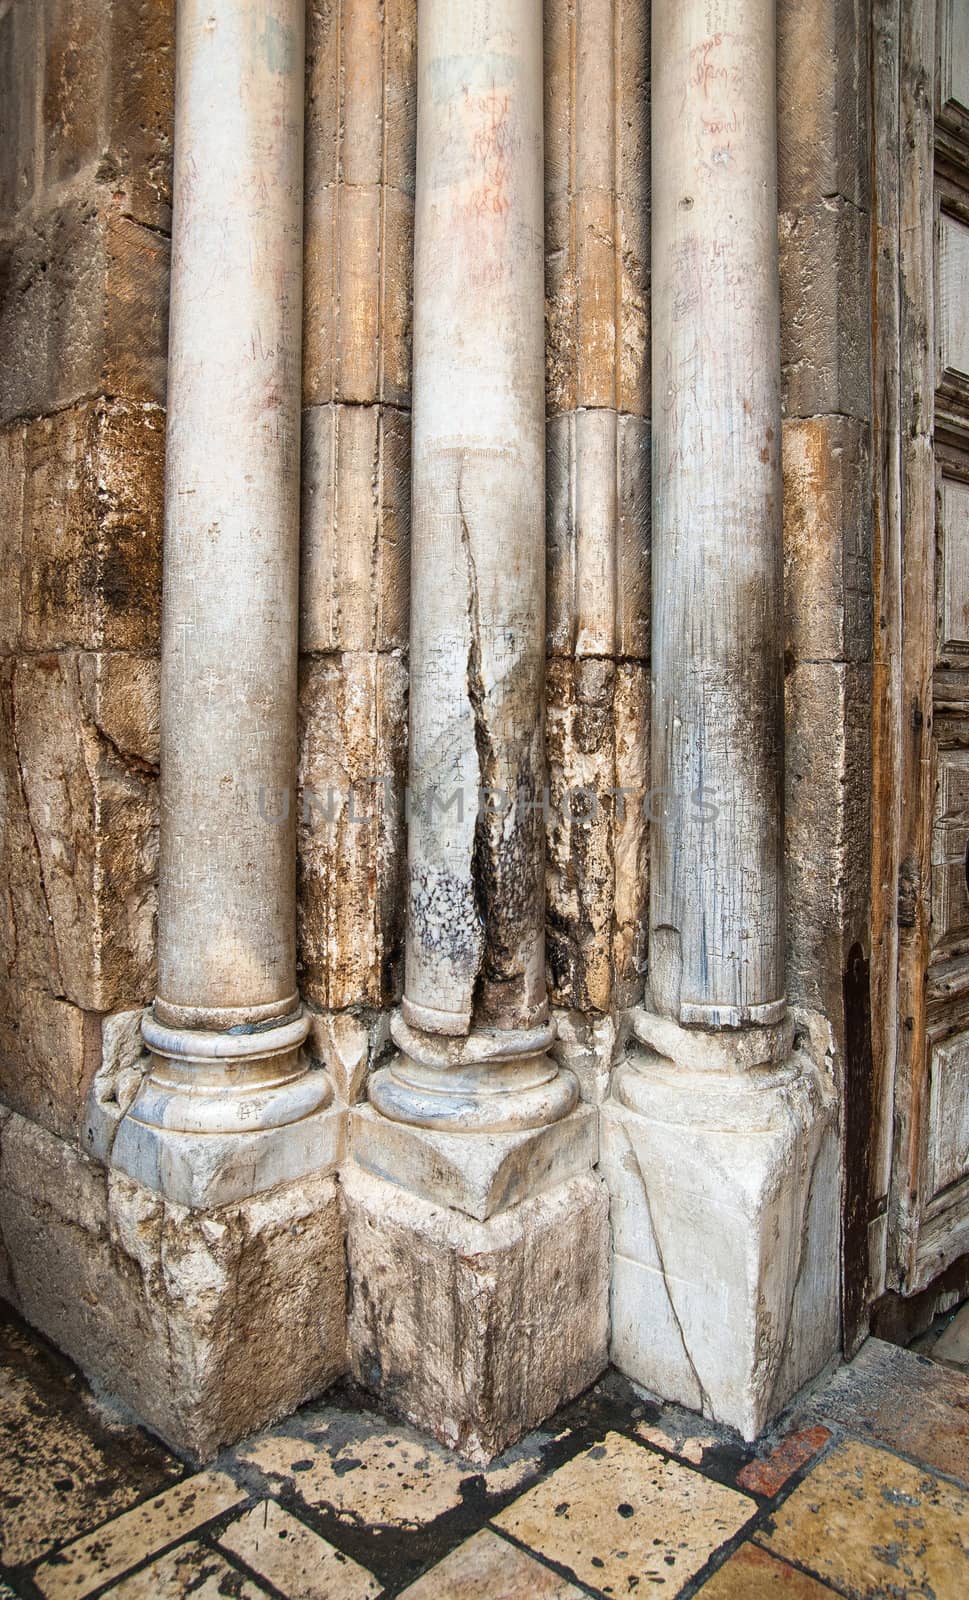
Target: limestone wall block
pixel 100 75
pixel 12 472
pixel 92 528
pixel 825 321
pixel 828 811
pixel 597 525
pixel 84 308
pixel 355 542
pixel 597 888
pixel 20 90
pixel 80 829
pixel 48 1055
pixel 350 821
pixel 596 178
pixel 827 539
pixel 357 295
pixel 822 95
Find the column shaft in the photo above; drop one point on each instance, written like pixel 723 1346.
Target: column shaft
pixel 476 870
pixel 475 1011
pixel 716 916
pixel 226 1023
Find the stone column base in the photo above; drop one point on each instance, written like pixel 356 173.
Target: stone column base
pixel 203 1170
pixel 477 1331
pixel 208 1325
pixel 725 1219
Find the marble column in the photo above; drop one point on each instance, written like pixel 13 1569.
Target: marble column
pixel 473 1116
pixel 227 1028
pixel 719 1138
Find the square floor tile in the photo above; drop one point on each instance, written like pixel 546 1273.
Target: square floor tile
pixel 65 1465
pixel 751 1574
pixel 295 1559
pixel 117 1546
pixel 487 1567
pixel 191 1570
pixel 620 1512
pixel 873 1524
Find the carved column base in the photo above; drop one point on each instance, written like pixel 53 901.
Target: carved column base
pixel 723 1174
pixel 477 1331
pixel 222 1116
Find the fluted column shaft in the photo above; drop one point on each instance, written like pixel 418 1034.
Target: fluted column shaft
pixel 716 917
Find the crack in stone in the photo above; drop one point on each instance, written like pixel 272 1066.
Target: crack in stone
pixel 484 748
pixel 705 1406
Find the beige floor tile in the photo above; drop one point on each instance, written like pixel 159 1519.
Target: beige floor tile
pixel 486 1567
pixel 295 1559
pixel 619 1510
pixel 65 1465
pixel 112 1549
pixel 366 1469
pixel 875 1525
pixel 752 1574
pixel 191 1570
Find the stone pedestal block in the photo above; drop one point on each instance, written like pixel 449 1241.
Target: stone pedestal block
pixel 724 1202
pixel 477 1175
pixel 209 1324
pixel 477 1331
pixel 217 1169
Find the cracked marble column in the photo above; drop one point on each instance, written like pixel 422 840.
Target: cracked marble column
pixel 719 1139
pixel 473 1117
pixel 229 1106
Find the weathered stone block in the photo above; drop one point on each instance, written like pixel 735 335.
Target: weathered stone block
pixel 108 98
pixel 580 869
pixel 827 825
pixel 80 832
pixel 481 1174
pixel 12 470
pixel 361 93
pixel 827 539
pixel 597 519
pixel 355 529
pixel 725 1199
pixel 825 319
pixel 48 1056
pixel 21 79
pixel 633 808
pixel 476 1331
pixel 83 309
pixel 822 101
pixel 353 744
pixel 92 528
pixel 357 295
pixel 208 1325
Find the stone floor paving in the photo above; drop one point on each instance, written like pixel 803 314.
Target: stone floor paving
pixel 862 1491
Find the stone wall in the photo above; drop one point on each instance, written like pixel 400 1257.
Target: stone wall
pixel 84 221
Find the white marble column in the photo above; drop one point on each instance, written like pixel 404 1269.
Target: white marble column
pixel 719 1140
pixel 473 1117
pixel 474 1026
pixel 226 1029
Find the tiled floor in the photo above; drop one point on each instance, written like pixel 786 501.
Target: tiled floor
pixel 862 1492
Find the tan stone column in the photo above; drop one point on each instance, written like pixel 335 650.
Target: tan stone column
pixel 473 1116
pixel 227 1026
pixel 719 1142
